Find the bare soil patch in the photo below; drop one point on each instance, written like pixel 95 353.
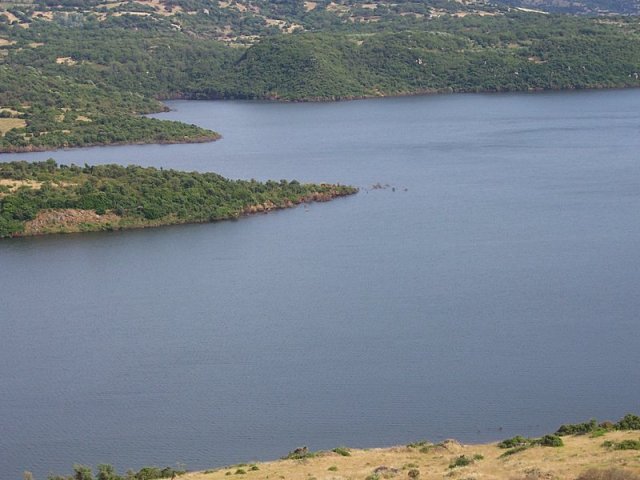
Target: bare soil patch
pixel 68 220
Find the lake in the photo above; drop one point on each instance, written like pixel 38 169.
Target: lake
pixel 491 289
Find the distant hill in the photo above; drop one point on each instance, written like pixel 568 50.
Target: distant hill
pixel 80 73
pixel 579 7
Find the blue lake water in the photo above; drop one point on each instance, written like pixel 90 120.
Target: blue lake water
pixel 492 289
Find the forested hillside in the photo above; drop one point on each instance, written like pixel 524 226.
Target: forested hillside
pixel 43 197
pixel 81 73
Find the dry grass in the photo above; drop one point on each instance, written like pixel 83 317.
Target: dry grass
pixel 580 454
pixel 160 7
pixel 7 124
pixel 16 184
pixel 608 474
pixel 44 15
pixel 65 61
pixel 282 25
pixel 12 18
pixel 10 110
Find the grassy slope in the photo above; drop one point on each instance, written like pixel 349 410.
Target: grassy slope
pixel 579 454
pixel 82 77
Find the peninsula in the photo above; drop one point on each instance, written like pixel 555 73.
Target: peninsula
pixel 44 197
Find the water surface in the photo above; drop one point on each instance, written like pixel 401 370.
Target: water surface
pixel 493 293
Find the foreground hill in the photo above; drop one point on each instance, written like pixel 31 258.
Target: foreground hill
pixel 450 459
pixel 582 451
pixel 43 197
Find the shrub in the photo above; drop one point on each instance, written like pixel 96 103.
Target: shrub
pixel 629 422
pixel 240 471
pixel 418 444
pixel 344 451
pixel 461 461
pixel 515 450
pixel 333 468
pixel 577 428
pixel 413 473
pixel 550 441
pixel 626 445
pixel 299 454
pixel 516 441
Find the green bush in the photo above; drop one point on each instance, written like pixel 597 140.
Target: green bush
pixel 629 422
pixel 344 451
pixel 299 453
pixel 550 441
pixel 623 445
pixel 514 450
pixel 578 428
pixel 514 442
pixel 461 461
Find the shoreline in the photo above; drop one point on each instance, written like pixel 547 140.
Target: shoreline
pixel 416 93
pixel 426 461
pixel 274 99
pixel 35 149
pixel 72 221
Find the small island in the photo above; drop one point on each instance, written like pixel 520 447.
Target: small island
pixel 44 197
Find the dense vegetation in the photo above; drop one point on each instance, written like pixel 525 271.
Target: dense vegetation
pixel 125 197
pixel 83 72
pixel 628 422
